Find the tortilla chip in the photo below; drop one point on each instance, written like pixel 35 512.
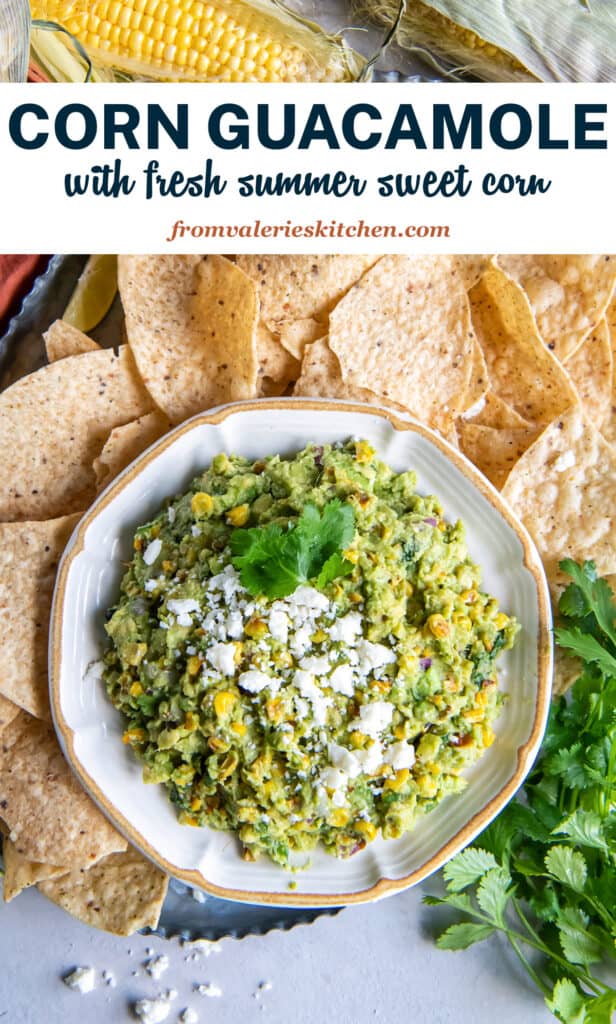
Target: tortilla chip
pixel 564 490
pixel 568 294
pixel 302 287
pixel 121 894
pixel 471 268
pixel 191 323
pixel 591 370
pixel 495 451
pixel 125 443
pixel 62 340
pixel 404 331
pixel 566 670
pixel 522 372
pixel 493 412
pixel 609 426
pixel 54 423
pixel 50 816
pixel 20 873
pixel 277 367
pixel 29 556
pixel 321 377
pixel 8 711
pixel 295 335
pixel 478 384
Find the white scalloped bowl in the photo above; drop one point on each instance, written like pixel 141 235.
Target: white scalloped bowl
pixel 90 729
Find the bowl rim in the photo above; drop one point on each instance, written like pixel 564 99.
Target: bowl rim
pixel 525 753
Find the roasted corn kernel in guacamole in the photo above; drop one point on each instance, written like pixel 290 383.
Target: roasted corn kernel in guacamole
pixel 337 710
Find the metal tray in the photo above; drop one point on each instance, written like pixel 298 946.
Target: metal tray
pixel 186 913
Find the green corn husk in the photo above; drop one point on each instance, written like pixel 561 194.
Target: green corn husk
pixel 508 40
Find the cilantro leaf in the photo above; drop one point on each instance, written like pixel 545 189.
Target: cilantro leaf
pixel 567 865
pixel 567 1002
pixel 586 647
pixel 494 892
pixel 586 828
pixel 597 592
pixel 275 561
pixel 467 868
pixel 461 936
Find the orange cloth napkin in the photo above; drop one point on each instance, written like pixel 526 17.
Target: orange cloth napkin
pixel 16 276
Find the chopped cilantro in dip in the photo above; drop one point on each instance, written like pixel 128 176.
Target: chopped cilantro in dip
pixel 303 651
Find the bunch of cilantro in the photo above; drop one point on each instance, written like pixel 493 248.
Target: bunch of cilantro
pixel 544 872
pixel 275 560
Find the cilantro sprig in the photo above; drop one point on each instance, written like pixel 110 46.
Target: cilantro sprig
pixel 274 560
pixel 543 874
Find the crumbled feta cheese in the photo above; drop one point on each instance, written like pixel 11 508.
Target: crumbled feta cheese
pixel 308 597
pixel 279 625
pixel 308 688
pixel 346 628
pixel 213 991
pixel 334 778
pixel 222 658
pixel 373 655
pixel 196 532
pixel 157 966
pixel 189 1016
pixel 153 583
pixel 253 681
pixel 234 625
pixel 564 462
pixel 344 759
pixel 319 666
pixel 373 718
pixel 301 641
pixel 152 551
pixel 94 672
pixel 371 758
pixel 82 980
pixel 152 1011
pixel 171 514
pixel 341 680
pixel 182 609
pixel 400 755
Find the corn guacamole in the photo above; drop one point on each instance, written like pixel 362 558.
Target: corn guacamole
pixel 338 712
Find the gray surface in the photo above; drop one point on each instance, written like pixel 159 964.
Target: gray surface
pixel 373 963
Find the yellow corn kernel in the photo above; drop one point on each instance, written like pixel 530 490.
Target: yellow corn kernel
pixel 339 818
pixel 469 596
pixel 473 714
pixel 238 516
pixel 191 722
pixel 228 766
pixel 434 767
pixel 168 566
pixel 408 663
pixel 400 731
pixel 269 788
pixel 202 504
pixel 188 819
pixel 134 736
pixel 501 620
pixel 363 451
pixel 155 531
pixel 283 658
pixel 319 636
pixel 136 690
pixel 487 736
pixel 355 597
pixel 224 702
pixel 217 745
pixel 398 781
pixel 358 740
pixel 275 710
pixel 193 665
pixel 427 785
pixel 256 628
pixel 138 543
pixel 238 728
pixel 196 803
pixel 481 698
pixel 438 626
pixel 351 555
pixel 366 829
pixel 382 685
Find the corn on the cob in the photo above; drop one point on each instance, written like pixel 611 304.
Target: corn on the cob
pixel 193 40
pixel 522 40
